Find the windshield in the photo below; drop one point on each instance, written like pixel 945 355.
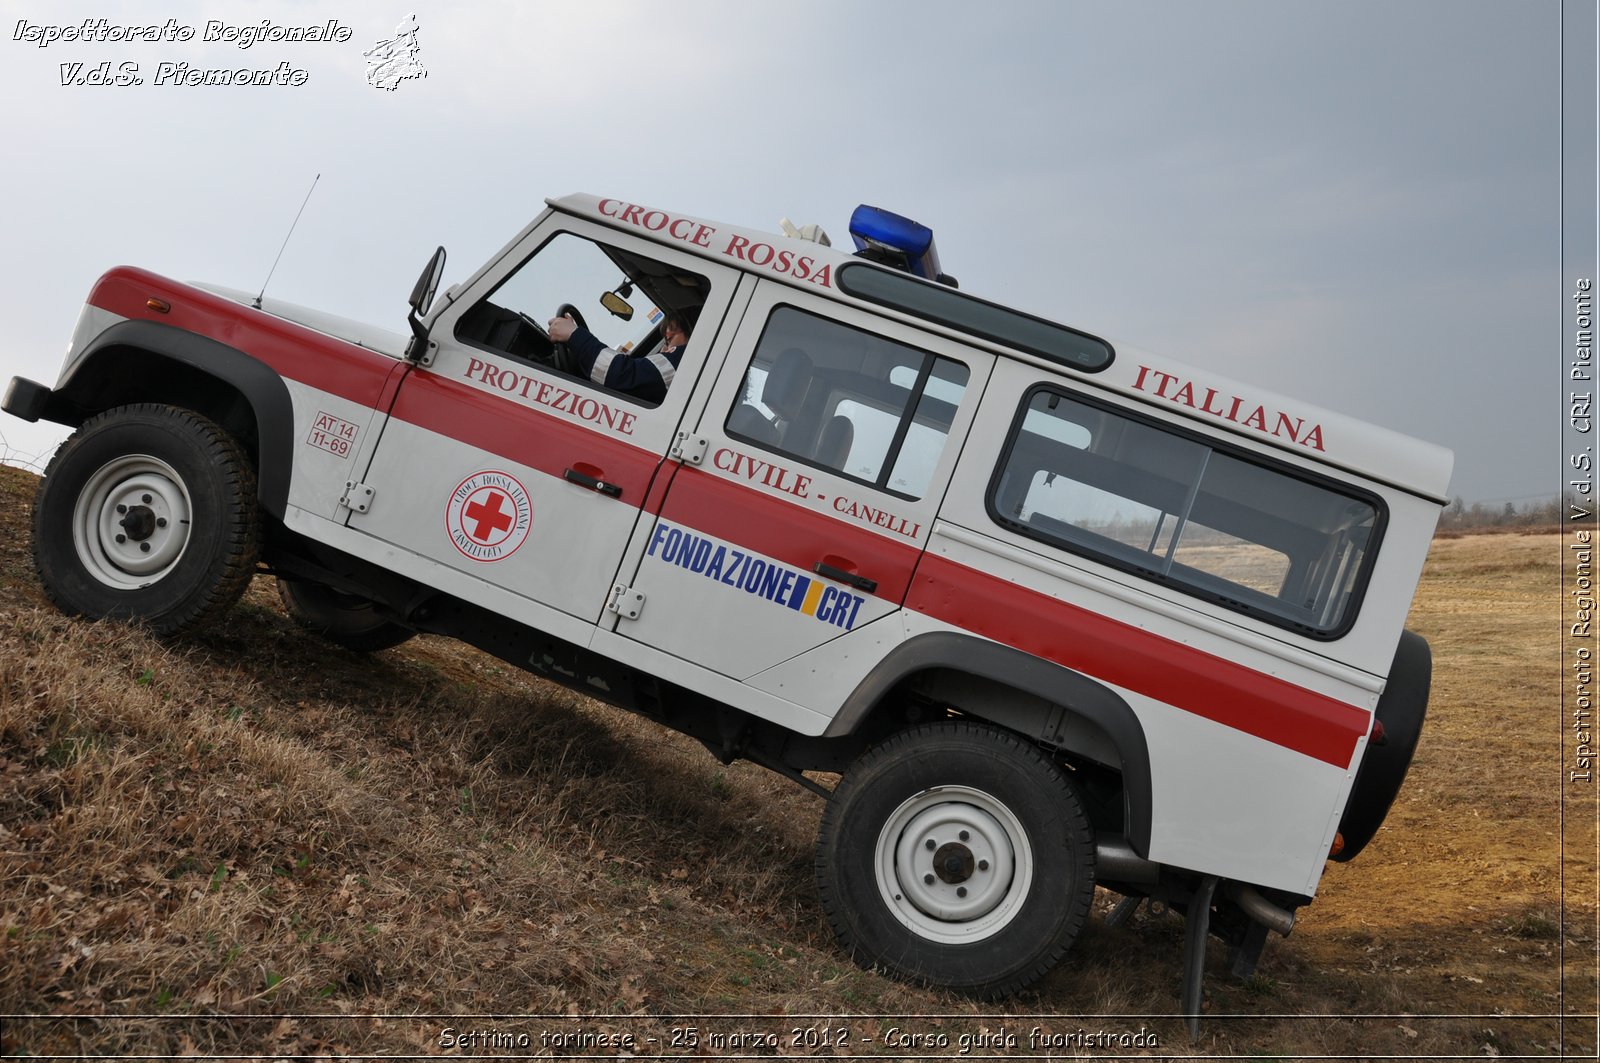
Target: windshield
pixel 570 269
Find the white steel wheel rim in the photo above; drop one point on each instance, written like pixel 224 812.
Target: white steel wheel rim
pixel 980 865
pixel 141 500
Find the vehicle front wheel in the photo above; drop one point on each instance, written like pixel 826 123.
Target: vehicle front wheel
pixel 344 619
pixel 148 513
pixel 956 855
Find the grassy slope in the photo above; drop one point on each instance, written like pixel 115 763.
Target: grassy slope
pixel 254 824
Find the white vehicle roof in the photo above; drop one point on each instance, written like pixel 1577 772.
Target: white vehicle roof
pixel 1209 398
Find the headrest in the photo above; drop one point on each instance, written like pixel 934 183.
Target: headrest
pixel 785 390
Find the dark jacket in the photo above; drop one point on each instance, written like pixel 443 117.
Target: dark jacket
pixel 646 377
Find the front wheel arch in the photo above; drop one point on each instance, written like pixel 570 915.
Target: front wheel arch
pixel 135 362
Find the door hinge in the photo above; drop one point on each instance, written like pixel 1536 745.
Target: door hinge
pixel 690 449
pixel 626 602
pixel 357 497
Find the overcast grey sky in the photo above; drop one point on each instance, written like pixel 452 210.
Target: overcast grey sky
pixel 1352 202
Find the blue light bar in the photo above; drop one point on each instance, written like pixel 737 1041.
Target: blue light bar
pixel 883 236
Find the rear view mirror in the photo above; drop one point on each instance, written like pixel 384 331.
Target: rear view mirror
pixel 618 306
pixel 421 299
pixel 428 283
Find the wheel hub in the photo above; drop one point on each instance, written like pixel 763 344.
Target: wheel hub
pixel 954 864
pixel 139 523
pixel 131 521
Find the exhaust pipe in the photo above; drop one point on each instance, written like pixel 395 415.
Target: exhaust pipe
pixel 1115 861
pixel 1257 907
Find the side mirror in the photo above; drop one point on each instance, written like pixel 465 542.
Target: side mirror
pixel 618 306
pixel 428 283
pixel 421 299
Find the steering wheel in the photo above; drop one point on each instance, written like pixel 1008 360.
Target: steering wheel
pixel 561 355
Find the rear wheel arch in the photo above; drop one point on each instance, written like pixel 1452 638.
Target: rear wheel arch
pixel 1038 699
pixel 145 361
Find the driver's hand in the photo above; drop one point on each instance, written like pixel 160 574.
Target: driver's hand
pixel 562 328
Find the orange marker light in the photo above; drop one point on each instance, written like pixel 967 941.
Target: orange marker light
pixel 1338 845
pixel 160 306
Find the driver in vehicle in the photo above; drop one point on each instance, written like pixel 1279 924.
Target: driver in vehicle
pixel 646 377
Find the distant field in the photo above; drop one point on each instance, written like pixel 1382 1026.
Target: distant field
pixel 256 826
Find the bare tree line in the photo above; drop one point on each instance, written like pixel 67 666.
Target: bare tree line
pixel 1548 514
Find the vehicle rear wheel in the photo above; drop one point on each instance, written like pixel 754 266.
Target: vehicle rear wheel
pixel 147 513
pixel 346 619
pixel 956 855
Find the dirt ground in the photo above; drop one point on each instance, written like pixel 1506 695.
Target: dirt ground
pixel 249 843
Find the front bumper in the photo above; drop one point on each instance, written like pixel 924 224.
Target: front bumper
pixel 26 398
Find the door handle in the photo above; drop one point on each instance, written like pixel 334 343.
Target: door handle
pixel 860 583
pixel 593 483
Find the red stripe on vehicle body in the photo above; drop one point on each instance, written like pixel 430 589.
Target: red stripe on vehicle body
pixel 531 437
pixel 293 351
pixel 1122 654
pixel 786 531
pixel 448 407
pixel 1135 659
pixel 1118 653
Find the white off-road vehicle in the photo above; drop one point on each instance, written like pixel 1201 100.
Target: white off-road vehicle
pixel 1062 613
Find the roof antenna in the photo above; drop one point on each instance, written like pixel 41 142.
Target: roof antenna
pixel 274 269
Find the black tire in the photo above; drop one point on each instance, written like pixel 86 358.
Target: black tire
pixel 1013 804
pixel 187 519
pixel 344 619
pixel 1401 709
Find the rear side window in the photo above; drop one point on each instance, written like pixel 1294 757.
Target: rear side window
pixel 1180 510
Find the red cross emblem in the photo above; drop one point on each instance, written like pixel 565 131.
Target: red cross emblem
pixel 488 516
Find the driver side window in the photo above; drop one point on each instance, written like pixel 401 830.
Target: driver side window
pixel 574 272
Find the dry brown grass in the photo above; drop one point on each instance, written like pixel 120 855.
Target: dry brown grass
pixel 244 843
